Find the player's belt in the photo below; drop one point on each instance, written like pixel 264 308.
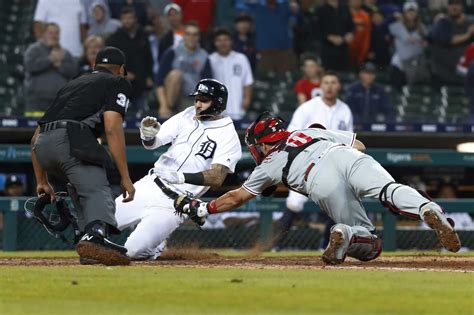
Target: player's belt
pixel 59 124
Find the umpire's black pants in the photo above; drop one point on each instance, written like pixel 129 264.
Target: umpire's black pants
pixel 91 192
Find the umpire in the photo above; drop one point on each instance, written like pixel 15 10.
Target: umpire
pixel 65 146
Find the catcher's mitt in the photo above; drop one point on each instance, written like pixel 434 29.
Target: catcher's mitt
pixel 186 205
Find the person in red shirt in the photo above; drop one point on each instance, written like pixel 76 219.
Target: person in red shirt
pixel 466 59
pixel 201 11
pixel 308 86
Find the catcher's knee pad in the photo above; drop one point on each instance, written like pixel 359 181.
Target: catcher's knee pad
pixel 392 189
pixel 365 247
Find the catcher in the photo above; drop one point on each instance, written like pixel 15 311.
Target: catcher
pixel 328 167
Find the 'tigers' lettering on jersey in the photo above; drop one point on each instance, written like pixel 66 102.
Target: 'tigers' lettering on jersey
pixel 207 149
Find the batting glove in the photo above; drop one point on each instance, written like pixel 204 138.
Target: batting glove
pixel 149 127
pixel 171 177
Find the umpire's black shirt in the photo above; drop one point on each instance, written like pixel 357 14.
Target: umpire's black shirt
pixel 88 97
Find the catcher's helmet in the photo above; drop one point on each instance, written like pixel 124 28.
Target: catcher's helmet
pixel 55 218
pixel 216 91
pixel 265 129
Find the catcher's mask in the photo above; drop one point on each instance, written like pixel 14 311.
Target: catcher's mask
pixel 265 129
pixel 55 218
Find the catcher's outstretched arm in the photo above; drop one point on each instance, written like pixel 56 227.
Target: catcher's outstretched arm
pixel 230 200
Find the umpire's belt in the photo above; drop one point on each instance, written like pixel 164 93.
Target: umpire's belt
pixel 59 124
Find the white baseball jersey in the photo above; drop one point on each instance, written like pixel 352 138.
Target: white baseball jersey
pixel 69 16
pixel 234 72
pixel 336 117
pixel 196 145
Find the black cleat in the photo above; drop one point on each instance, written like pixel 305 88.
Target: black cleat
pixel 96 247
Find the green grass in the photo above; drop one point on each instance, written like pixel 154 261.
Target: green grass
pixel 155 290
pixel 94 290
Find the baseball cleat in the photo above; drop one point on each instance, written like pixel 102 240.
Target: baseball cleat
pixel 446 234
pixel 94 247
pixel 336 241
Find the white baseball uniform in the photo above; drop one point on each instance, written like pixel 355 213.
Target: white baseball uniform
pixel 336 117
pixel 233 71
pixel 195 146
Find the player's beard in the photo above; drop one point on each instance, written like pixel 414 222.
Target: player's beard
pixel 202 117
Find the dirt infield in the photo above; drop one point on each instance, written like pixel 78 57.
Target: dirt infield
pixel 205 259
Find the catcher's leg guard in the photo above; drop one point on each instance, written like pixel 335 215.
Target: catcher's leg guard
pixel 364 245
pixel 354 241
pixel 403 200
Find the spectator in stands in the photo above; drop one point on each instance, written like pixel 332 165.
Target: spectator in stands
pixel 306 32
pixel 244 39
pixel 450 35
pixel 48 67
pixel 409 35
pixel 337 31
pixel 71 19
pixel 92 45
pixel 224 14
pixel 309 85
pixel 233 70
pixel 88 8
pixel 465 61
pixel 13 187
pixel 156 32
pixel 101 23
pixel 175 34
pixel 133 41
pixel 272 25
pixel 202 12
pixel 368 100
pixel 140 8
pixel 359 47
pixel 380 41
pixel 180 69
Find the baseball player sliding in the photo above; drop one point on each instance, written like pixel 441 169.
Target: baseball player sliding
pixel 328 167
pixel 204 148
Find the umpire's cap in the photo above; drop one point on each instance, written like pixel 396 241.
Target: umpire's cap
pixel 112 56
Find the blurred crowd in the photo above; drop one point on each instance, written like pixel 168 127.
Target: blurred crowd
pixel 170 45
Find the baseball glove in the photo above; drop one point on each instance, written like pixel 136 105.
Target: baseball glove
pixel 186 205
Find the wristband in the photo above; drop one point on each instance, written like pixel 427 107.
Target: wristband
pixel 194 178
pixel 212 207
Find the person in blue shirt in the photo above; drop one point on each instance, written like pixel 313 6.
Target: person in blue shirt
pixel 368 100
